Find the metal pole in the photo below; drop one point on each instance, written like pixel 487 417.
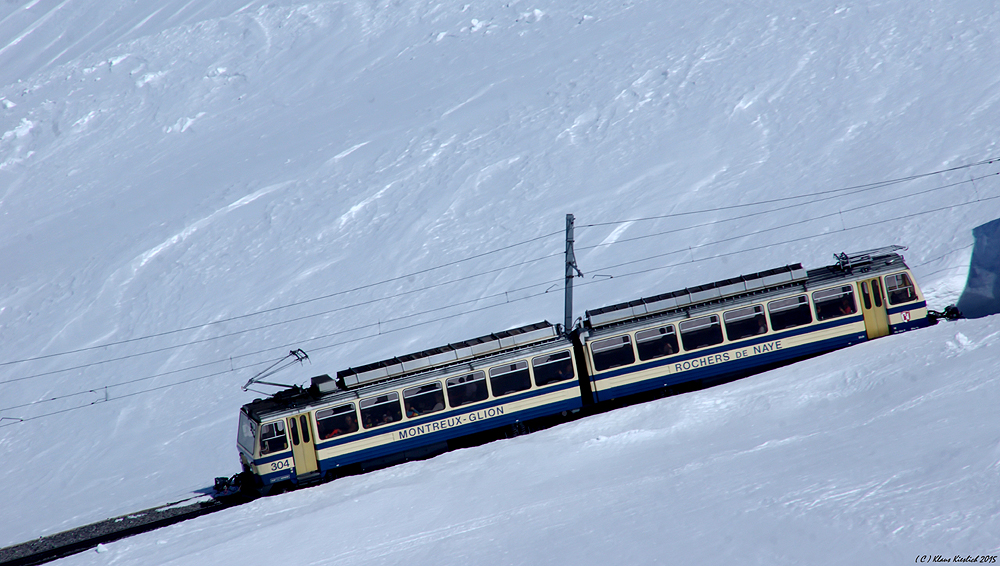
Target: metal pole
pixel 570 267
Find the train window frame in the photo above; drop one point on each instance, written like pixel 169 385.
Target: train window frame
pixel 784 305
pixel 304 425
pixel 900 288
pixel 412 409
pixel 294 428
pixel 272 432
pixel 599 348
pixel 744 322
pixel 877 293
pixel 650 342
pixel 325 418
pixel 698 328
pixel 866 296
pixel 384 400
pixel 514 374
pixel 546 377
pixel 823 298
pixel 247 433
pixel 479 394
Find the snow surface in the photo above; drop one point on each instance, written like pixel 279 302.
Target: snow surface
pixel 339 171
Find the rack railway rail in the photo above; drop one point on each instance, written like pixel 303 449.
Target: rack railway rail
pixel 60 545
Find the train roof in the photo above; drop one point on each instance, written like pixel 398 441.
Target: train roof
pixel 401 370
pixel 745 288
pixel 483 345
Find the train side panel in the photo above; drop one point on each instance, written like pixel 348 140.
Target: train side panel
pixel 728 359
pixel 390 420
pixel 906 305
pixel 837 318
pixel 411 434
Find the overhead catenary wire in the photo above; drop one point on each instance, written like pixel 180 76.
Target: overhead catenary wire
pixel 278 308
pixel 837 192
pixel 507 301
pixel 773 210
pixel 274 324
pixel 856 189
pixel 219 373
pixel 313 315
pixel 17 420
pixel 504 294
pixel 771 244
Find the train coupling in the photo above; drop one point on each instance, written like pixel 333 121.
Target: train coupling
pixel 951 312
pixel 227 486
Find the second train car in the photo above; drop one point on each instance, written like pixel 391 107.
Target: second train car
pixel 423 403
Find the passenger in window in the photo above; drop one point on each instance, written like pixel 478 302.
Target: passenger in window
pixel 761 325
pixel 562 373
pixel 666 348
pixel 846 307
pixel 348 426
pixel 475 392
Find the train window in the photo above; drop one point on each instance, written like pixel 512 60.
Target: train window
pixel 552 368
pixel 877 292
pixel 701 332
pixel 305 428
pixel 295 431
pixel 423 399
pixel 866 297
pixel 381 410
pixel 834 303
pixel 272 438
pixel 612 352
pixel 336 421
pixel 467 389
pixel 510 378
pixel 247 430
pixel 656 343
pixel 900 289
pixel 789 313
pixel 745 322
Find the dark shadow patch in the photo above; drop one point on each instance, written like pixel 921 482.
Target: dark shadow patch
pixel 981 296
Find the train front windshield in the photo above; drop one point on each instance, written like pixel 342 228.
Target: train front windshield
pixel 247 433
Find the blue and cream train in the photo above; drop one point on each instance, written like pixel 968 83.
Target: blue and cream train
pixel 423 403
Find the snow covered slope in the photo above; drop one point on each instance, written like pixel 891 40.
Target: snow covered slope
pixel 168 169
pixel 832 461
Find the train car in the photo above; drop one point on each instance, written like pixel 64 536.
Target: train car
pixel 710 333
pixel 407 407
pixel 420 404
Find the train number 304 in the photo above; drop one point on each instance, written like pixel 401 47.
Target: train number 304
pixel 281 465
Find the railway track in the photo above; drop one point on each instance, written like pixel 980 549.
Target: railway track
pixel 80 539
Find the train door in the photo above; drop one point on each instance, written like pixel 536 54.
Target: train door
pixel 873 308
pixel 303 444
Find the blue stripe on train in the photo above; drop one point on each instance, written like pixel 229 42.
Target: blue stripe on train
pixel 429 438
pixel 443 415
pixel 733 366
pixel 907 307
pixel 426 439
pixel 733 346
